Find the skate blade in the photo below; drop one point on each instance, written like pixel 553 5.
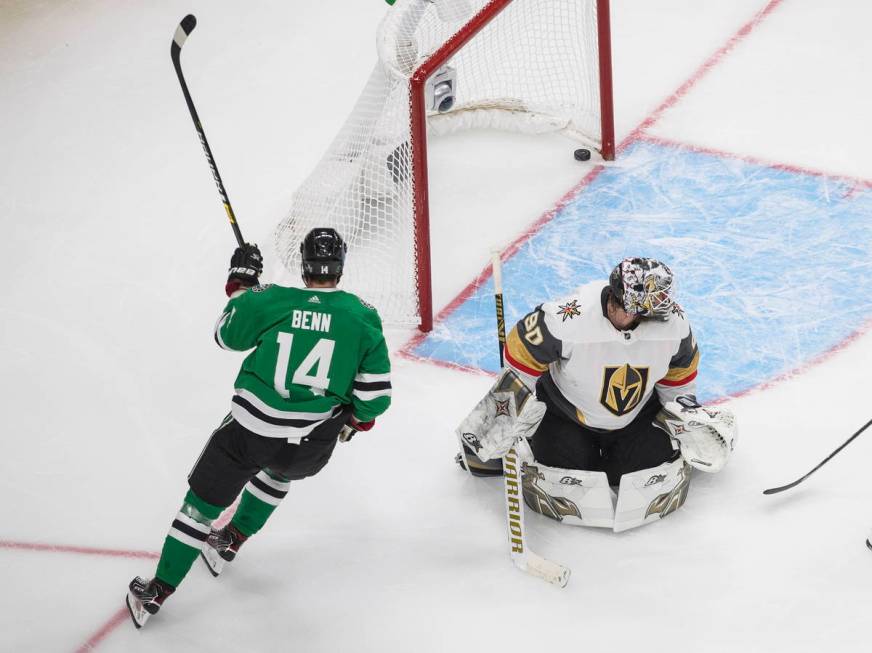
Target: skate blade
pixel 215 564
pixel 138 614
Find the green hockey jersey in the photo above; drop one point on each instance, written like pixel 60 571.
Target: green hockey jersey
pixel 315 350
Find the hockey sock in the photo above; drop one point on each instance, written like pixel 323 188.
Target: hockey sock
pixel 260 497
pixel 182 545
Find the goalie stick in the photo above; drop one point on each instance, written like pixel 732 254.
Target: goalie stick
pixel 774 490
pixel 496 264
pixel 522 557
pixel 183 31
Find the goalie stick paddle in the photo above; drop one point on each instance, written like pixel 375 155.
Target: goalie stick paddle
pixel 183 31
pixel 775 490
pixel 522 557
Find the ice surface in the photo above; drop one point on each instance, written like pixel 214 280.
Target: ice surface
pixel 115 248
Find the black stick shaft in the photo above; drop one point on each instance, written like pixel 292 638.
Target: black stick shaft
pixel 496 264
pixel 184 29
pixel 775 490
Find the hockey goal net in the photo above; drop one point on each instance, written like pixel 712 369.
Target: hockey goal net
pixel 443 65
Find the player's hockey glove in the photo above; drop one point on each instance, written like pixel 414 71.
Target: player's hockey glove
pixel 246 264
pixel 353 426
pixel 706 436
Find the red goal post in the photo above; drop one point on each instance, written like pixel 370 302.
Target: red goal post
pixel 521 65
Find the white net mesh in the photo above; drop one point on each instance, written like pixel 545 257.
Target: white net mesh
pixel 532 68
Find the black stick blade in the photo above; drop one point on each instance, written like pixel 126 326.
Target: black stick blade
pixel 776 490
pixel 188 23
pixel 183 31
pixel 821 463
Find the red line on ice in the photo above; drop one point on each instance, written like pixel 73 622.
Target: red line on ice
pixel 471 369
pixel 121 615
pixel 817 360
pixel 856 183
pixel 701 72
pixel 117 619
pixel 83 550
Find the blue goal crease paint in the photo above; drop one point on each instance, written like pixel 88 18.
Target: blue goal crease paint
pixel 773 267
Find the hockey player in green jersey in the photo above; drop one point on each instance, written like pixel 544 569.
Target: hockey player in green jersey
pixel 317 371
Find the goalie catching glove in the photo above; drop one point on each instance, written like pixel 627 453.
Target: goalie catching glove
pixel 508 411
pixel 706 436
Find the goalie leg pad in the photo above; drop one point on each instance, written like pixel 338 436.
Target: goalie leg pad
pixel 651 494
pixel 570 496
pixel 469 462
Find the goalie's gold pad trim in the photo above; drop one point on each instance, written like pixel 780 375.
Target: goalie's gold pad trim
pixel 511 382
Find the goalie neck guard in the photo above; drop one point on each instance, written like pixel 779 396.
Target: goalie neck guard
pixel 322 253
pixel 643 286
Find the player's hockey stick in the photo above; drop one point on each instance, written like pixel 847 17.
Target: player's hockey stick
pixel 774 490
pixel 184 30
pixel 522 557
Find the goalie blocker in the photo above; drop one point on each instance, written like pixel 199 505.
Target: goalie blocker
pixel 488 432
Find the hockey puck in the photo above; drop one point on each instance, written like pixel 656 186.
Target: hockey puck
pixel 582 155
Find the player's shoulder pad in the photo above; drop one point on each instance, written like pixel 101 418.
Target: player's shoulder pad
pixel 678 321
pixel 367 312
pixel 366 304
pixel 566 314
pixel 675 328
pixel 254 295
pixel 564 310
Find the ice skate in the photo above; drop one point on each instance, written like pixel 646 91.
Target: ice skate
pixel 221 547
pixel 145 598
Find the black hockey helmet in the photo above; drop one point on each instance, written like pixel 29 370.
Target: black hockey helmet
pixel 322 253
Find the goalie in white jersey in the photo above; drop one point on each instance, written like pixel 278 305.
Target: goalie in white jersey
pixel 614 368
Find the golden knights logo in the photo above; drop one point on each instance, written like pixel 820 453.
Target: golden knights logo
pixel 569 310
pixel 623 388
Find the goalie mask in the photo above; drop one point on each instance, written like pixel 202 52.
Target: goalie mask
pixel 643 286
pixel 322 253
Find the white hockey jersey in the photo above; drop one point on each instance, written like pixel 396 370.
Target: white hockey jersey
pixel 602 376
